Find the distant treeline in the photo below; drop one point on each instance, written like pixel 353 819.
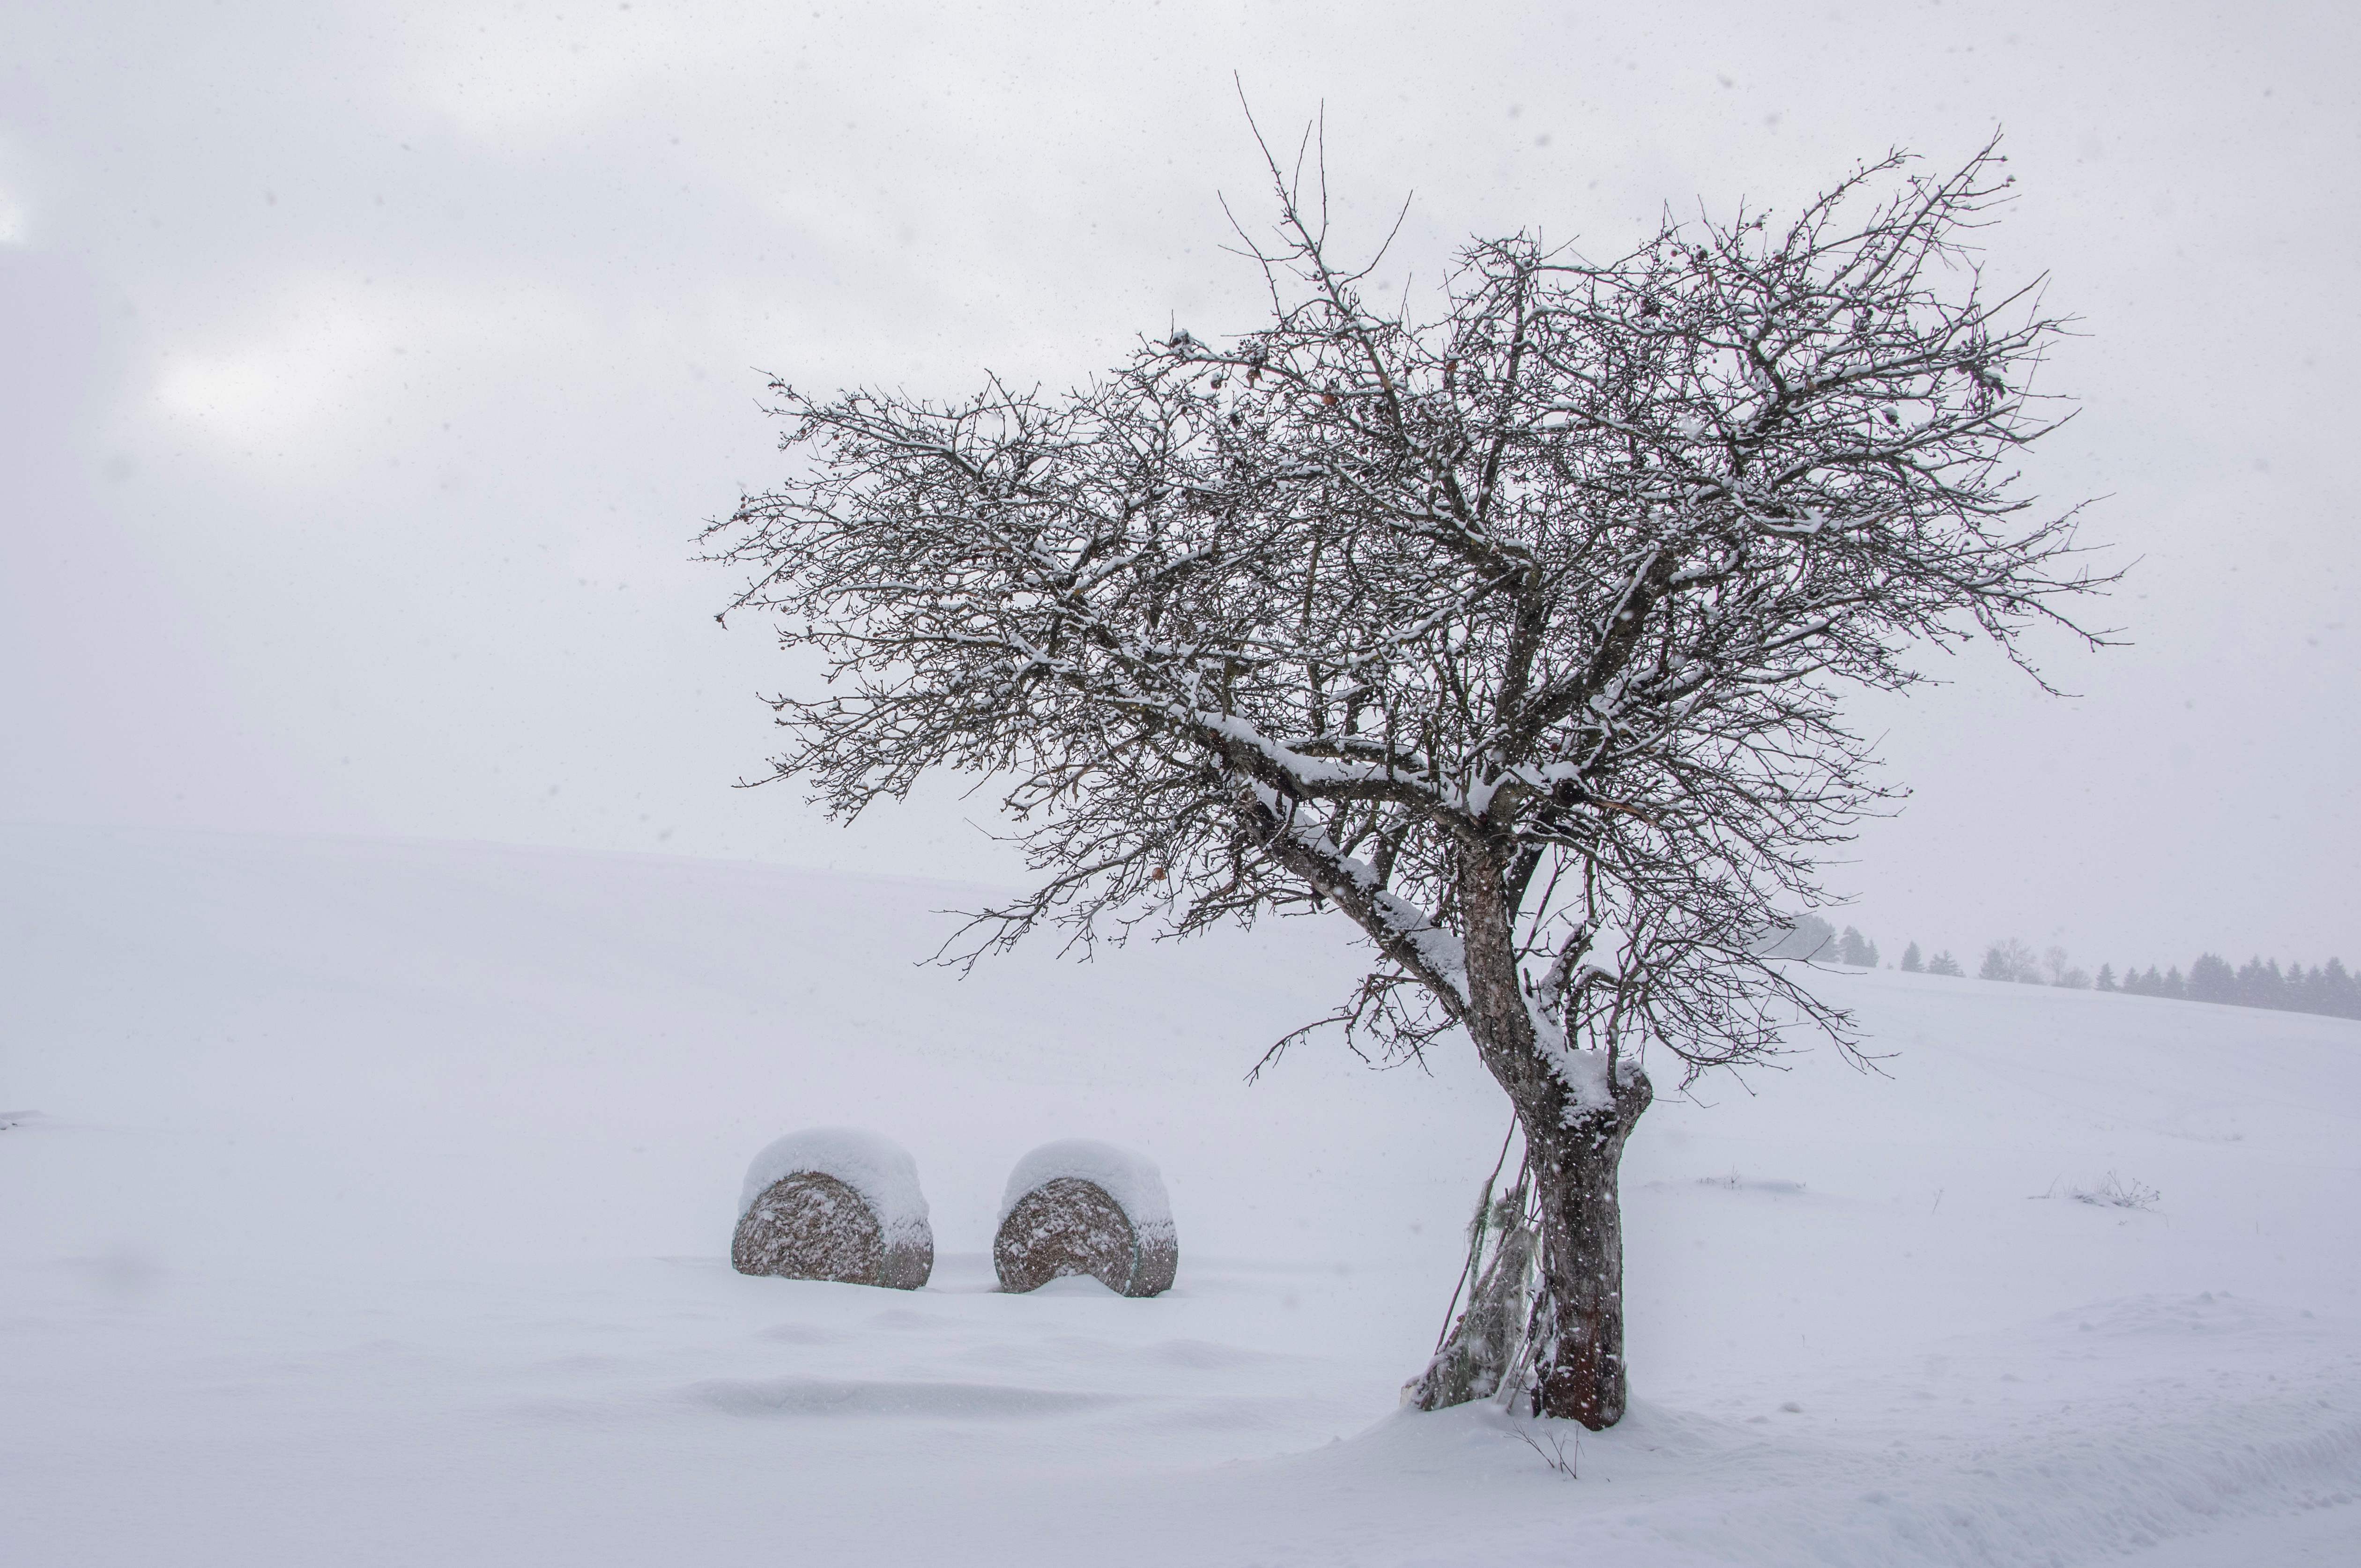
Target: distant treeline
pixel 2326 989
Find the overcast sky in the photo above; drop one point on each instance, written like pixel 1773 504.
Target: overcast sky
pixel 366 370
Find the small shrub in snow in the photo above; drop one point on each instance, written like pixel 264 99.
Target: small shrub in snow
pixel 2116 1194
pixel 2110 1193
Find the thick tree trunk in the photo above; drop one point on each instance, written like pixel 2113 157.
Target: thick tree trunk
pixel 1577 1356
pixel 1575 1151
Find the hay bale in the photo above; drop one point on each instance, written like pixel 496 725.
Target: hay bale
pixel 1080 1207
pixel 834 1203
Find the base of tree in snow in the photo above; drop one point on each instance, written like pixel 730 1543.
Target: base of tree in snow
pixel 1085 1207
pixel 831 1203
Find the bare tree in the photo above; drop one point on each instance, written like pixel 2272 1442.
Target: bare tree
pixel 2061 970
pixel 2011 961
pixel 1514 629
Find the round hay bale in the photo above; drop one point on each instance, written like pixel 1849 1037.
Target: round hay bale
pixel 810 1226
pixel 834 1203
pixel 1080 1207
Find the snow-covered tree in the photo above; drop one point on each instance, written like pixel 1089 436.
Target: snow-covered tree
pixel 1911 962
pixel 1943 963
pixel 1513 627
pixel 1852 947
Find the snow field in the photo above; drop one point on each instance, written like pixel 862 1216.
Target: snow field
pixel 370 1203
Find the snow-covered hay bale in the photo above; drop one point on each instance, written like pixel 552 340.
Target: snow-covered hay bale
pixel 835 1203
pixel 1079 1206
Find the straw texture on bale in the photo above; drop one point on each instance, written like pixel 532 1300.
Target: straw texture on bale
pixel 1070 1225
pixel 810 1225
pixel 838 1203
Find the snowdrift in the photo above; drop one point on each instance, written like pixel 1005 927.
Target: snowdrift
pixel 370 1203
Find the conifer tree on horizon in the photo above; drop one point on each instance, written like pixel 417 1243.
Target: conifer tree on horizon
pixel 2325 989
pixel 2211 979
pixel 2329 991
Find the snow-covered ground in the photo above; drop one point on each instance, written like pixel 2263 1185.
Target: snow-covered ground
pixel 369 1203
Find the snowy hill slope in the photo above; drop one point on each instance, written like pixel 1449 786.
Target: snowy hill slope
pixel 369 1203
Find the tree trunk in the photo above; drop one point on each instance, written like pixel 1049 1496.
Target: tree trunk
pixel 1575 1152
pixel 1577 1355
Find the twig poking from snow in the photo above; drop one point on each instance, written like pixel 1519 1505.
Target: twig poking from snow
pixel 1554 1454
pixel 2111 1192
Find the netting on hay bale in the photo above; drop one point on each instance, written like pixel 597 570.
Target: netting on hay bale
pixel 834 1203
pixel 1082 1207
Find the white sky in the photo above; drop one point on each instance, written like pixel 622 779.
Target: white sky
pixel 364 373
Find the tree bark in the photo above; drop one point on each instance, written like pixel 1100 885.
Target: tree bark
pixel 1578 1361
